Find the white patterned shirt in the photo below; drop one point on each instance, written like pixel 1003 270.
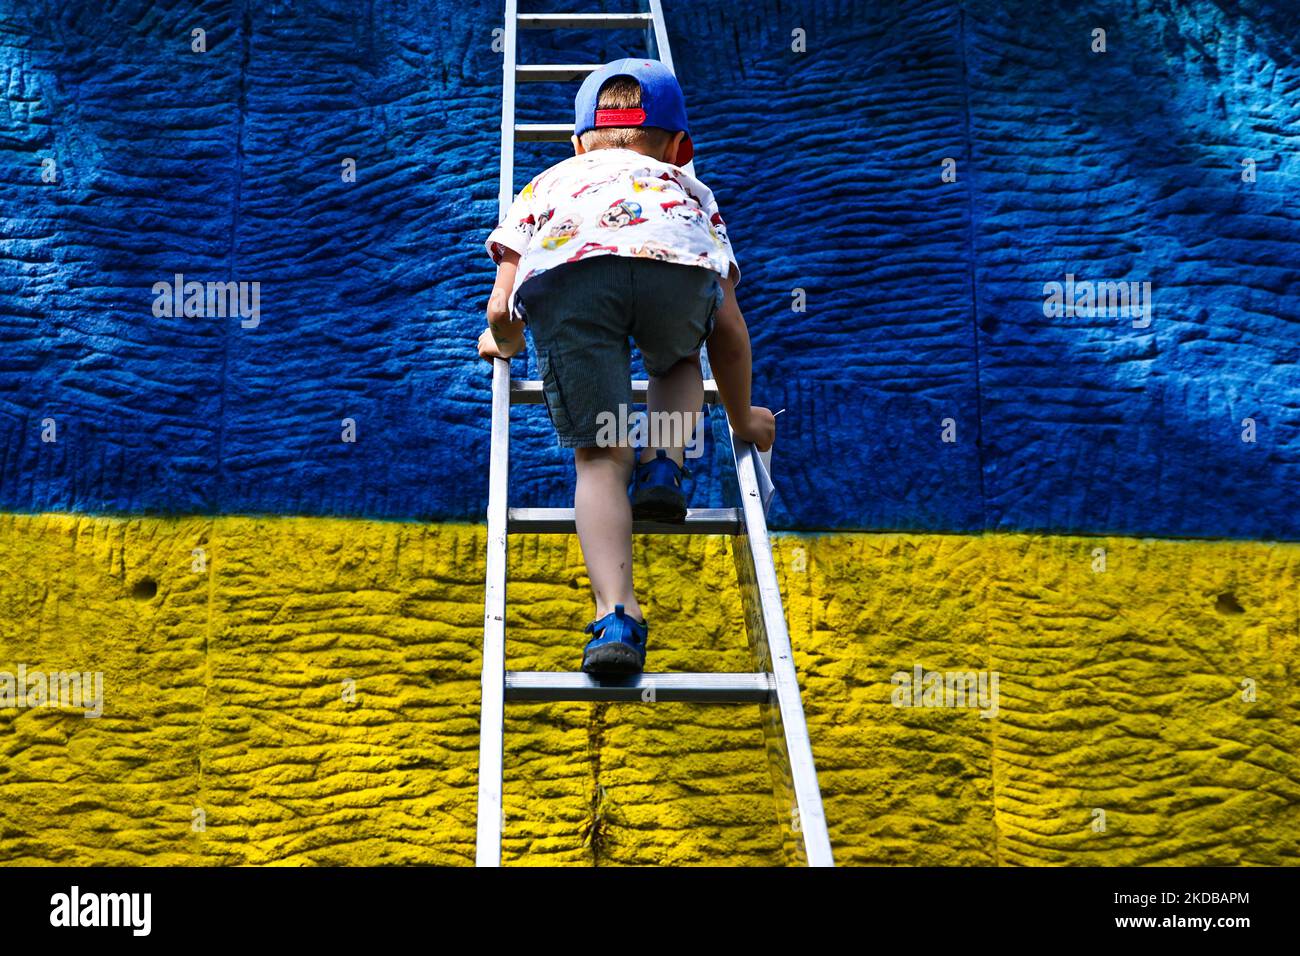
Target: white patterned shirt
pixel 612 202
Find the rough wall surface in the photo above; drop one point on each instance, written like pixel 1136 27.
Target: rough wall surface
pixel 1121 691
pixel 924 297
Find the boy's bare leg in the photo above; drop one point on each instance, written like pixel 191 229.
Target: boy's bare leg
pixel 681 390
pixel 603 516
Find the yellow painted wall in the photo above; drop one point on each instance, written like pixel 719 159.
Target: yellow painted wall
pixel 1120 691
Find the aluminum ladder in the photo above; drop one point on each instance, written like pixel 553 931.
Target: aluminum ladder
pixel 774 685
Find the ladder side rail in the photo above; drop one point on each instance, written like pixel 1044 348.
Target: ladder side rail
pixel 492 710
pixel 506 193
pixel 651 41
pixel 778 758
pixel 661 49
pixel 770 640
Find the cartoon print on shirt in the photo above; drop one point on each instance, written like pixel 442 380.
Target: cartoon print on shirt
pixel 641 183
pixel 589 248
pixel 562 232
pixel 656 250
pixel 681 209
pixel 622 212
pixel 718 230
pixel 596 185
pixel 544 218
pixel 676 179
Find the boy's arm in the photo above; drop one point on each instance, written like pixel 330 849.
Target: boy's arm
pixel 731 361
pixel 504 336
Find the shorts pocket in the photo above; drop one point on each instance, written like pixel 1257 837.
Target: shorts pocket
pixel 548 368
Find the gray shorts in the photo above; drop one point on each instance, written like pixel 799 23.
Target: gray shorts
pixel 581 315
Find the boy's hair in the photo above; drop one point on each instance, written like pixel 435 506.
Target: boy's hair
pixel 623 93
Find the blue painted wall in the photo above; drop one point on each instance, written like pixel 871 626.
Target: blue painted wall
pixel 924 298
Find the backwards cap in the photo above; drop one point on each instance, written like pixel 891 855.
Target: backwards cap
pixel 662 103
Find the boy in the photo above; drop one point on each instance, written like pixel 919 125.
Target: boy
pixel 619 241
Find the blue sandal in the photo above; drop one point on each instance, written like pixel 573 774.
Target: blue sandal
pixel 619 645
pixel 657 489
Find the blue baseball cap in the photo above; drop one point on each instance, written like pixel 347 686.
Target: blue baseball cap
pixel 662 103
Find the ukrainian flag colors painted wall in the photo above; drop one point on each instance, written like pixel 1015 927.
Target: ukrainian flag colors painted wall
pixel 1120 692
pixel 922 299
pixel 127 158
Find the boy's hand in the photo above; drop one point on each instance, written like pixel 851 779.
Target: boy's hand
pixel 488 348
pixel 759 427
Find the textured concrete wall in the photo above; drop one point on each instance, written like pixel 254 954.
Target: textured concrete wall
pixel 924 297
pixel 1120 691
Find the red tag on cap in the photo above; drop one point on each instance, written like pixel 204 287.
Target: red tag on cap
pixel 620 117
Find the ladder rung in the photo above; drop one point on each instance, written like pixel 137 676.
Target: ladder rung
pixel 657 688
pixel 583 21
pixel 529 391
pixel 560 521
pixel 543 132
pixel 555 71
